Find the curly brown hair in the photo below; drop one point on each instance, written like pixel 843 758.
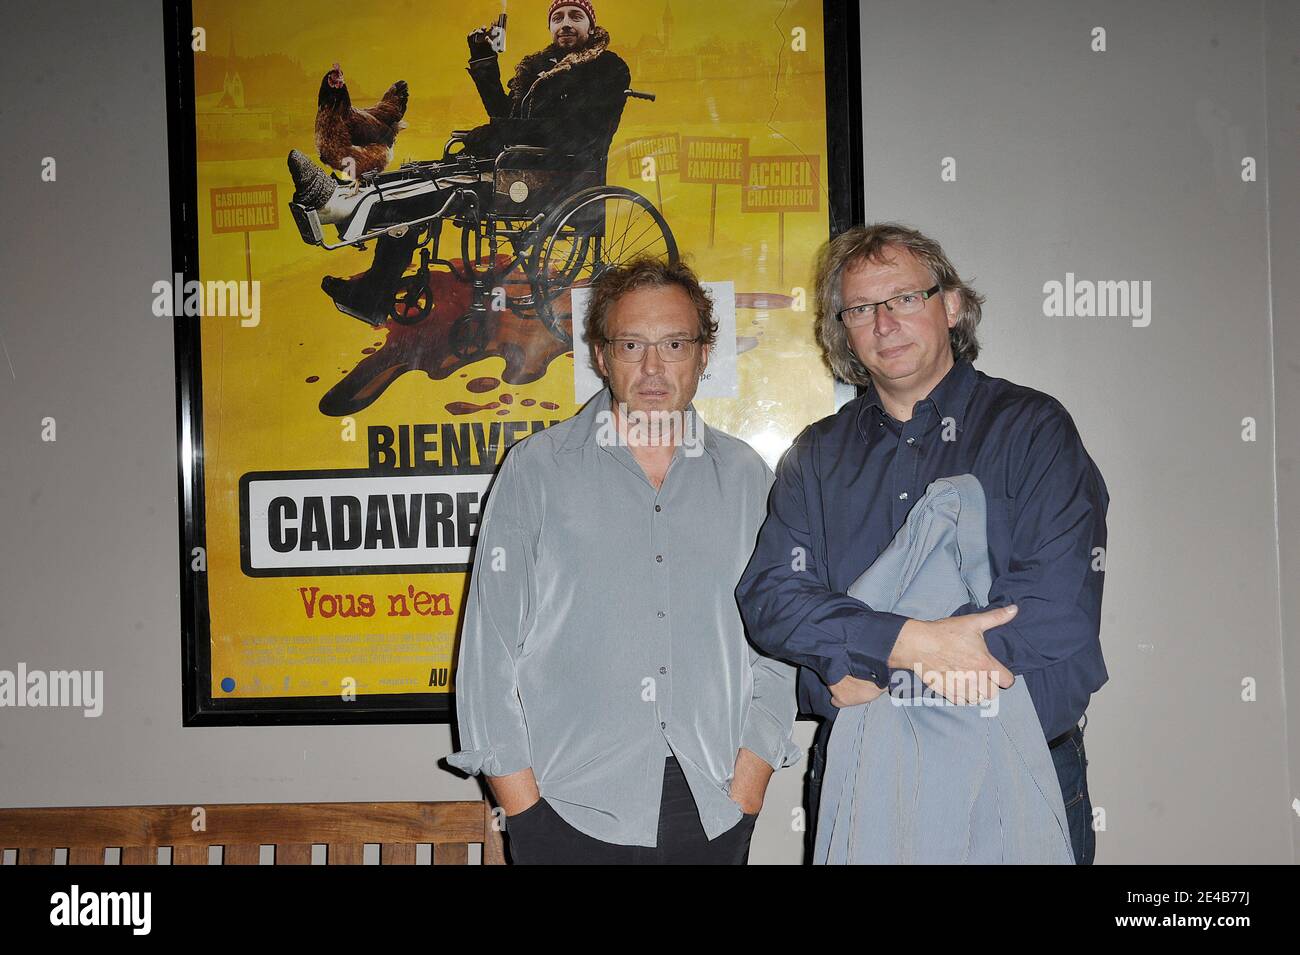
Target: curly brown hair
pixel 644 272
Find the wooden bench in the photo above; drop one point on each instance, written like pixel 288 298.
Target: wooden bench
pixel 344 828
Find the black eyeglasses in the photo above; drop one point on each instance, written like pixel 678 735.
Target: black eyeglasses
pixel 906 303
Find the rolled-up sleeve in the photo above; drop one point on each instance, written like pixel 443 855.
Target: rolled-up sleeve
pixel 769 722
pixel 785 598
pixel 1055 571
pixel 498 611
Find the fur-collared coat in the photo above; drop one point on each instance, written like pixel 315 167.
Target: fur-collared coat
pixel 570 102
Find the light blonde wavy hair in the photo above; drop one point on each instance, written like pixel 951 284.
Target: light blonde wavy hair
pixel 873 243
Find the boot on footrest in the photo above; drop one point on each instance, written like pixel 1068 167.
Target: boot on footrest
pixel 369 296
pixel 357 297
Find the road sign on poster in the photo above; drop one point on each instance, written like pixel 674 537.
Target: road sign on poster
pixel 781 184
pixel 717 160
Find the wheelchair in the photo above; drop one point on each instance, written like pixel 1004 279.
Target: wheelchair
pixel 529 210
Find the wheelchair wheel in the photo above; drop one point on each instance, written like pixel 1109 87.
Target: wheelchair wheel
pixel 468 336
pixel 586 234
pixel 412 302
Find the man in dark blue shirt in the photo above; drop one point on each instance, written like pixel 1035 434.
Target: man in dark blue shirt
pixel 894 316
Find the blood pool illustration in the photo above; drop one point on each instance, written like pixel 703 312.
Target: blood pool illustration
pixel 451 337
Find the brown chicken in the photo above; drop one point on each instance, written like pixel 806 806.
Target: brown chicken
pixel 356 141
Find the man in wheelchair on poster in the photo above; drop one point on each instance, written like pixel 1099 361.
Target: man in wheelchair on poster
pixel 545 145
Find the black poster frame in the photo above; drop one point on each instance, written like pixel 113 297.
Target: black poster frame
pixel 846 204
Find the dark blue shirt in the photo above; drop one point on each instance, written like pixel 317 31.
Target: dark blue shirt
pixel 843 490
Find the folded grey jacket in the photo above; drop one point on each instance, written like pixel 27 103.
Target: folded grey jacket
pixel 911 778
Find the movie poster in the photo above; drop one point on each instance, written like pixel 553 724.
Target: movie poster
pixel 396 210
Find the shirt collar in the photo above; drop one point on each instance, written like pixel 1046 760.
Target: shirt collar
pixel 950 397
pixel 589 424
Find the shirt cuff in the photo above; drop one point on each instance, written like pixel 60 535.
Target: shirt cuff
pixel 767 739
pixel 866 657
pixel 490 762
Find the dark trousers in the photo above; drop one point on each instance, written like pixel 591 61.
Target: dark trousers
pixel 1071 770
pixel 540 836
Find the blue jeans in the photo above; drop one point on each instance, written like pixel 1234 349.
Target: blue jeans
pixel 1071 762
pixel 1069 758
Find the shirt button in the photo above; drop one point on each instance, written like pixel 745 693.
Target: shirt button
pixel 663 669
pixel 661 613
pixel 903 496
pixel 663 726
pixel 911 440
pixel 658 508
pixel 659 558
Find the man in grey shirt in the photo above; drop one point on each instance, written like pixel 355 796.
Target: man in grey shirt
pixel 605 685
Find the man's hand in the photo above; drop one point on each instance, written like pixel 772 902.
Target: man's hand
pixel 851 691
pixel 749 782
pixel 952 655
pixel 516 792
pixel 480 44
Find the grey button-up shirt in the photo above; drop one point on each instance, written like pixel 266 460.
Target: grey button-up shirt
pixel 601 628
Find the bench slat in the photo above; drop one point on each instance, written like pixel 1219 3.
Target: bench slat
pixel 242 823
pixel 398 827
pixel 293 853
pixel 189 855
pixel 241 855
pixel 396 854
pixel 344 853
pixel 451 854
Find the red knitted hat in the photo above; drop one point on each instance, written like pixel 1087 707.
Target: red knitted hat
pixel 584 5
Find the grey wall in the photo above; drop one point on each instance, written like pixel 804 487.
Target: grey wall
pixel 1125 164
pixel 88 568
pixel 1282 73
pixel 1116 165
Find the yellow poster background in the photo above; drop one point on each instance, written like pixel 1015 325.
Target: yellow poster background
pixel 752 70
